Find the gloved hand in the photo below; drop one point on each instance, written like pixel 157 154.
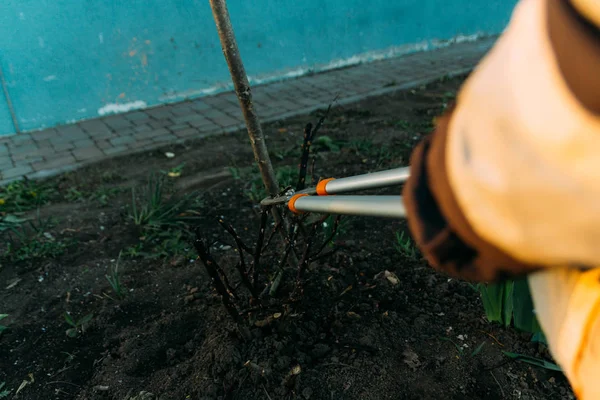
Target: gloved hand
pixel 508 184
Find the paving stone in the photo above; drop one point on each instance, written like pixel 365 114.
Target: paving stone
pixel 141 144
pixel 137 116
pixel 59 161
pixel 164 138
pixel 160 113
pixel 21 143
pixel 115 150
pixel 27 148
pixel 83 143
pixel 151 134
pixel 161 123
pixel 95 126
pixel 225 121
pixel 181 110
pixel 199 105
pixel 204 124
pixel 179 127
pixel 87 153
pixel 187 133
pixel 122 140
pixel 103 144
pixel 73 132
pixel 63 146
pixel 117 123
pixel 189 118
pixel 61 140
pixel 4 165
pixel 44 135
pixel 143 128
pixel 17 171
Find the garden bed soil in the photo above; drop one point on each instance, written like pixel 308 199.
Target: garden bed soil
pixel 354 334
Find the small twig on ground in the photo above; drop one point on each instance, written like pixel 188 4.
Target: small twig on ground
pixel 499 385
pixel 267 393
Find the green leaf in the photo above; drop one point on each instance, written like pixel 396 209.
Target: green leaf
pixel 69 320
pixel 478 349
pixel 492 296
pixel 508 303
pixel 3 392
pixel 524 316
pixel 533 361
pixel 72 332
pixel 539 337
pixel 2 316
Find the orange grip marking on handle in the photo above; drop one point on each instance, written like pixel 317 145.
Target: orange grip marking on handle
pixel 292 202
pixel 321 186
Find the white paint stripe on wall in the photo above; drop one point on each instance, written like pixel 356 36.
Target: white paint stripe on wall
pixel 115 108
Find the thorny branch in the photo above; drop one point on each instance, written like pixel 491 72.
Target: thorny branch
pixel 309 136
pixel 211 267
pixel 259 245
pixel 241 266
pixel 288 227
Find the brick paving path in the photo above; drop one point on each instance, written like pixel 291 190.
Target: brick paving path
pixel 52 151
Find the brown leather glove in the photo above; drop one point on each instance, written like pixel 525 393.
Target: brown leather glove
pixel 435 219
pixel 440 229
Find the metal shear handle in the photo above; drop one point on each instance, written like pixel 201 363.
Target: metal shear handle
pixel 374 206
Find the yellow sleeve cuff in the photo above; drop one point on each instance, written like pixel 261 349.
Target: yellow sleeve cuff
pixel 567 305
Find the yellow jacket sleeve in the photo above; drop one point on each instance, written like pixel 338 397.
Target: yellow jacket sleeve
pixel 509 183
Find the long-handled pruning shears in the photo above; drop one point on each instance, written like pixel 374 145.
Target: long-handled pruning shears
pixel 324 198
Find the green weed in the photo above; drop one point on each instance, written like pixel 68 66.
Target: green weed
pixel 155 211
pixel 114 279
pixel 509 302
pixel 77 327
pixel 9 222
pixel 103 195
pixel 3 392
pixel 163 221
pixel 325 143
pixel 74 195
pixel 24 195
pixel 538 362
pixel 406 246
pixel 33 240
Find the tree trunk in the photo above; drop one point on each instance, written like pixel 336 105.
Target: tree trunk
pixel 244 94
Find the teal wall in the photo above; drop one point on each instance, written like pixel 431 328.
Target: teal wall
pixel 66 60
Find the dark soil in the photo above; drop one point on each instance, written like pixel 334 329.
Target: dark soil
pixel 353 334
